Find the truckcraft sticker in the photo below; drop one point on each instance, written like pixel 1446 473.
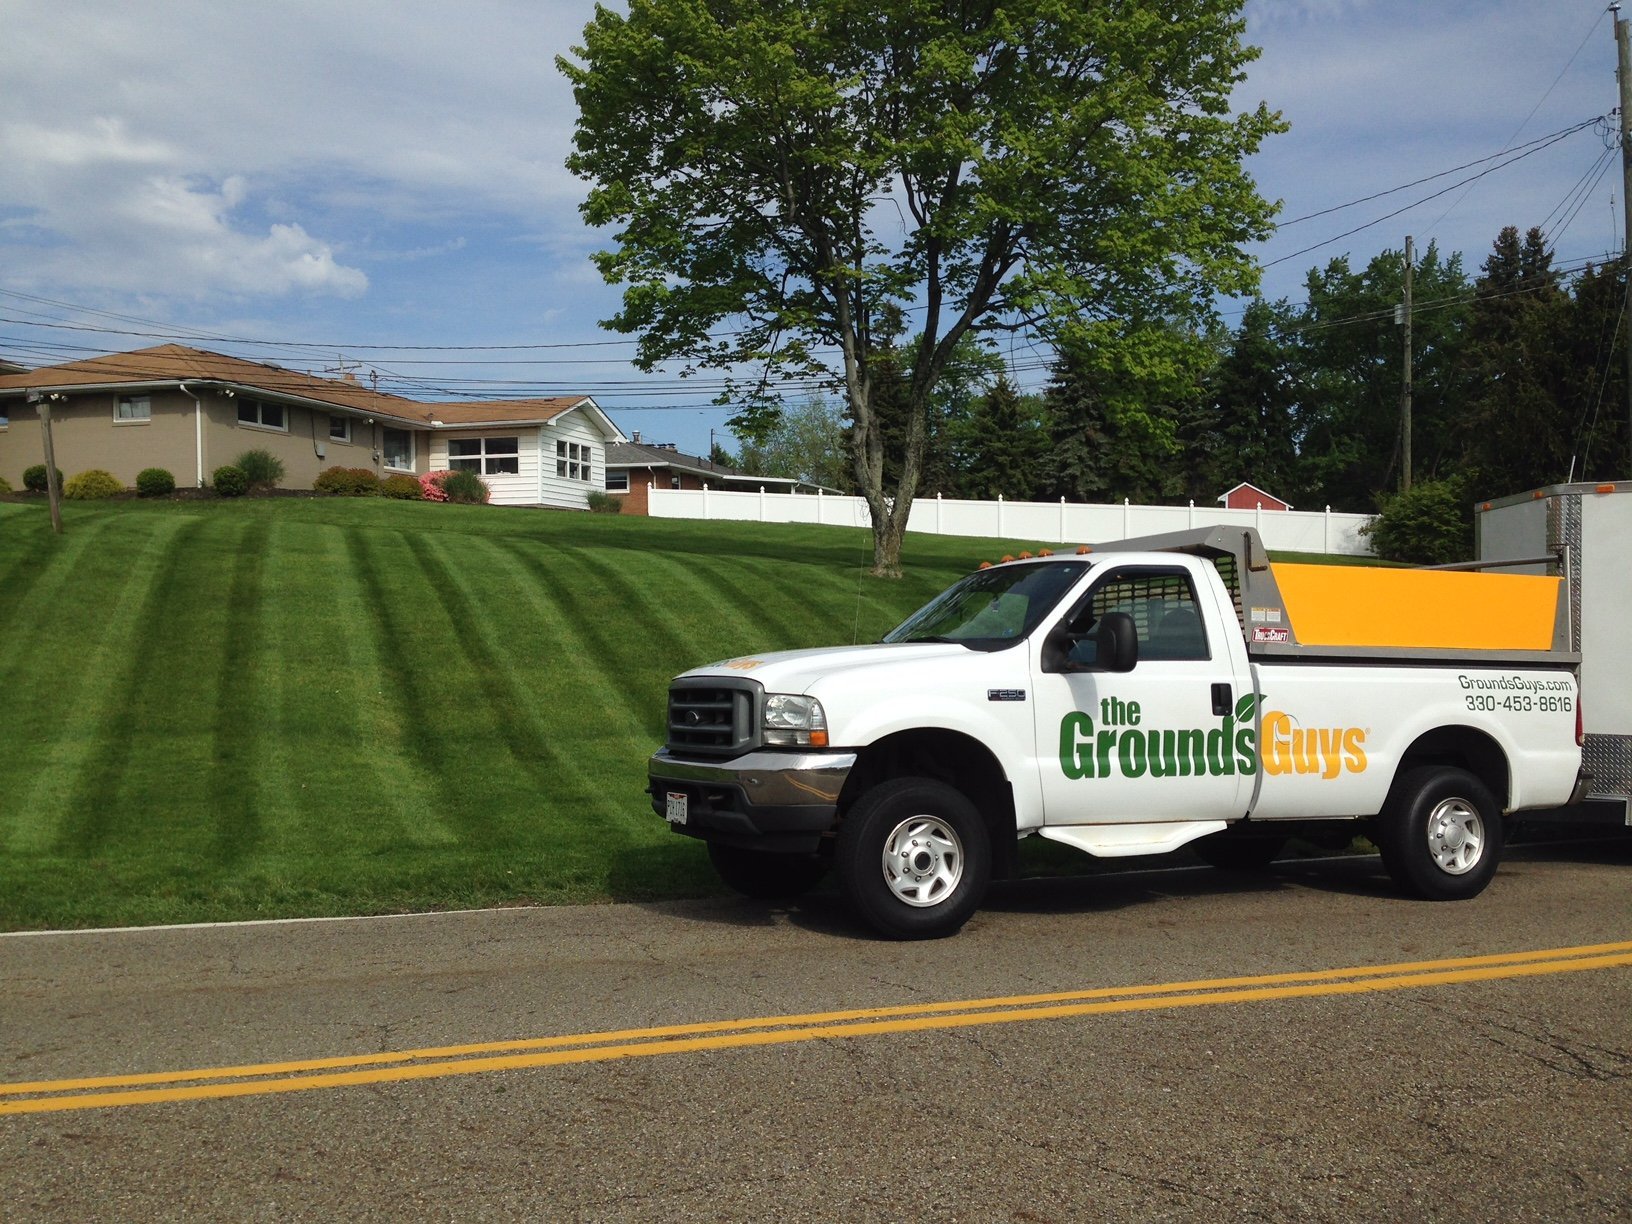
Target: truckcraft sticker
pixel 1121 745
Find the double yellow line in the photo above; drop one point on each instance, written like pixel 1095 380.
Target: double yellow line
pixel 101 1092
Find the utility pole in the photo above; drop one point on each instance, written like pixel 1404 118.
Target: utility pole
pixel 53 490
pixel 1623 48
pixel 1405 382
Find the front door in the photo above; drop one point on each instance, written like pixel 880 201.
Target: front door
pixel 1163 742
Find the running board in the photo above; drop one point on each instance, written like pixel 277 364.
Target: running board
pixel 1126 840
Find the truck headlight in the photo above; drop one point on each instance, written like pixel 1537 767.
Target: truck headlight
pixel 795 721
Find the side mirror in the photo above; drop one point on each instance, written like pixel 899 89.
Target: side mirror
pixel 1116 646
pixel 1118 641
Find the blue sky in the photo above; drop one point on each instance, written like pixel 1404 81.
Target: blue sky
pixel 380 184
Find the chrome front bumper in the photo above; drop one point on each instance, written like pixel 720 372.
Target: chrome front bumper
pixel 764 800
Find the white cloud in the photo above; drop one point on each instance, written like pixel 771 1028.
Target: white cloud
pixel 193 148
pixel 109 209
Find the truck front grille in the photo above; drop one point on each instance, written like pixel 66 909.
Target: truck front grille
pixel 712 716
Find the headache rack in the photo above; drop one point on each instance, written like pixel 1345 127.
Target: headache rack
pixel 1298 611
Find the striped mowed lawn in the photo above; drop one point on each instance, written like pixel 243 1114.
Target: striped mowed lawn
pixel 226 710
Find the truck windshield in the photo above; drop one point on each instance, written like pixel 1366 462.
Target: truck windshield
pixel 992 608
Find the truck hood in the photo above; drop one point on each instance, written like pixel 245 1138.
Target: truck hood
pixel 795 671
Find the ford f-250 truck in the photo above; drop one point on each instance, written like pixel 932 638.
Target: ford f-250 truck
pixel 1130 699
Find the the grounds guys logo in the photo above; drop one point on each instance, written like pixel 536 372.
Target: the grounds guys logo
pixel 1123 745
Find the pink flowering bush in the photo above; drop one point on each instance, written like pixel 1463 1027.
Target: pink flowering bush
pixel 430 485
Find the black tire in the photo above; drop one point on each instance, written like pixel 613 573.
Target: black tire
pixel 1232 851
pixel 915 858
pixel 766 875
pixel 1440 834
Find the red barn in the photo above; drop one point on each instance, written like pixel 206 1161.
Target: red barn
pixel 1250 497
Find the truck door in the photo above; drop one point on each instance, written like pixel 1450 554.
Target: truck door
pixel 1161 742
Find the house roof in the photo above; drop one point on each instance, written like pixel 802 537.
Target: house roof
pixel 170 364
pixel 645 455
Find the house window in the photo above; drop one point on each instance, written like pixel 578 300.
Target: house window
pixel 134 408
pixel 261 414
pixel 398 449
pixel 485 456
pixel 339 429
pixel 618 481
pixel 574 461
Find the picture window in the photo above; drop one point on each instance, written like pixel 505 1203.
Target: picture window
pixel 485 456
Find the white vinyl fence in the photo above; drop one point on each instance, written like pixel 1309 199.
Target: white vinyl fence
pixel 1063 522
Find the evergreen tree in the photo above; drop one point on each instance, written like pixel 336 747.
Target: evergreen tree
pixel 1006 446
pixel 1106 441
pixel 1240 428
pixel 1514 432
pixel 1592 355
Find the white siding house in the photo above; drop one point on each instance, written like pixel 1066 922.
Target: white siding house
pixel 554 461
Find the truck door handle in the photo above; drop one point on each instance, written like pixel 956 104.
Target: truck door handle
pixel 1223 702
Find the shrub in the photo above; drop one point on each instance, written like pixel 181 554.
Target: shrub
pixel 5 486
pixel 34 478
pixel 465 487
pixel 93 485
pixel 348 482
pixel 400 486
pixel 262 468
pixel 1430 525
pixel 230 481
pixel 430 486
pixel 154 482
pixel 604 503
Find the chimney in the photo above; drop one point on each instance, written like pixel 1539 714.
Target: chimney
pixel 635 438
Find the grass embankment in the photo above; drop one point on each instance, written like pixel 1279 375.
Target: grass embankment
pixel 286 707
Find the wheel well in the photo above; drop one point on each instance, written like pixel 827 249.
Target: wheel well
pixel 960 761
pixel 1464 748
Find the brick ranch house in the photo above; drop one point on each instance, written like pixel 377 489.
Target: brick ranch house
pixel 633 468
pixel 191 411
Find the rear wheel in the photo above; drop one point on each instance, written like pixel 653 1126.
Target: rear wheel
pixel 915 857
pixel 766 875
pixel 1441 834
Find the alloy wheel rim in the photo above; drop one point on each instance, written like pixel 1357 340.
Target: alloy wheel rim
pixel 923 861
pixel 1456 836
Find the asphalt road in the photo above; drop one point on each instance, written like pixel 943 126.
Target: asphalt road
pixel 639 1063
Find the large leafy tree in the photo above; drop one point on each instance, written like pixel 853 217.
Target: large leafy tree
pixel 806 442
pixel 783 173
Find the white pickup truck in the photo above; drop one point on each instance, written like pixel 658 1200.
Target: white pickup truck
pixel 1131 699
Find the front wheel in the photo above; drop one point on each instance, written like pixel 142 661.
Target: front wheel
pixel 1441 834
pixel 915 857
pixel 766 875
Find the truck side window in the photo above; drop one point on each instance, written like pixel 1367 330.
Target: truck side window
pixel 1163 606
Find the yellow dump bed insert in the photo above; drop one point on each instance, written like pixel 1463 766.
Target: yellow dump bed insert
pixel 1334 605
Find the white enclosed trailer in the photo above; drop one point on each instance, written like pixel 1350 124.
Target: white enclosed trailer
pixel 1584 530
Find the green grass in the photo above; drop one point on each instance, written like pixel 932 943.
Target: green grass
pixel 257 708
pixel 297 707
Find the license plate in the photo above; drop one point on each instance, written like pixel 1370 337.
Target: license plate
pixel 676 813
